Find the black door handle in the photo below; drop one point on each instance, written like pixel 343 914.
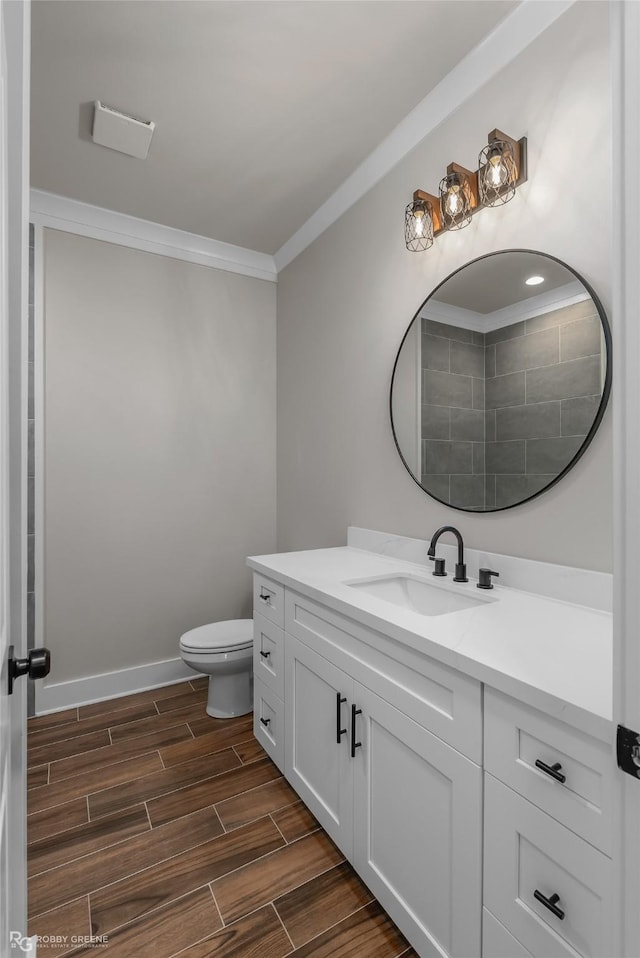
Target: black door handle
pixel 36 665
pixel 354 744
pixel 550 903
pixel 265 655
pixel 339 731
pixel 265 722
pixel 552 770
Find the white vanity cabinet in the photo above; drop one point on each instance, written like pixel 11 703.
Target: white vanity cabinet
pixel 482 825
pixel 403 805
pixel 417 828
pixel 317 755
pixel 547 826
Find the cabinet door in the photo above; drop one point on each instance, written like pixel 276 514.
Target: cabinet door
pixel 317 761
pixel 418 829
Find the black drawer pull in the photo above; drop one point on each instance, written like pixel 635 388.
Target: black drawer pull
pixel 339 731
pixel 552 770
pixel 265 722
pixel 265 655
pixel 354 744
pixel 550 903
pixel 266 597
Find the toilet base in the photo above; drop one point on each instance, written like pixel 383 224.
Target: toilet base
pixel 230 694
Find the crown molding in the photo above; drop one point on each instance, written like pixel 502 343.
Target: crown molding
pixel 496 51
pixel 533 306
pixel 83 219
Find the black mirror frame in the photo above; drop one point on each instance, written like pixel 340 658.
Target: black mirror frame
pixel 606 391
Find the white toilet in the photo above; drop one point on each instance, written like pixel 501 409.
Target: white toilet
pixel 224 652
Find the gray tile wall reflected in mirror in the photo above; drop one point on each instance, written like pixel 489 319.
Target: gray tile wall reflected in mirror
pixel 504 412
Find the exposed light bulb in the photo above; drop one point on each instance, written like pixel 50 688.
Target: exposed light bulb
pixel 419 222
pixel 496 172
pixel 453 202
pixel 534 280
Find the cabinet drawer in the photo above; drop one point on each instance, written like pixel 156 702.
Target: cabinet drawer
pixel 268 598
pixel 497 942
pixel 268 654
pixel 268 722
pixel 525 851
pixel 439 698
pixel 517 736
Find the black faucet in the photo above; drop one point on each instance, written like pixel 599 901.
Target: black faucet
pixel 461 569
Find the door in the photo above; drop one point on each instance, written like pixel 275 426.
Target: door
pixel 14 65
pixel 625 71
pixel 317 744
pixel 418 847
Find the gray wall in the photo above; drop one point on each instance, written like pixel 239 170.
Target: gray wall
pixel 542 393
pixel 452 410
pixel 160 450
pixel 345 303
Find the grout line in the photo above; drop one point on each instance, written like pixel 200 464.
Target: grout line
pixel 87 795
pixel 87 771
pixel 278 827
pixel 283 925
pixel 146 808
pixel 138 871
pixel 178 788
pixel 336 923
pixel 93 851
pixel 215 902
pixel 152 911
pixel 88 808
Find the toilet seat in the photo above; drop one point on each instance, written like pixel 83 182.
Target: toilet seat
pixel 219 637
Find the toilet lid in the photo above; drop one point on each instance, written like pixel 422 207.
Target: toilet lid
pixel 218 636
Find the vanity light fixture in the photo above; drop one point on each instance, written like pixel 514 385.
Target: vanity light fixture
pixel 502 167
pixel 419 222
pixel 498 167
pixel 458 197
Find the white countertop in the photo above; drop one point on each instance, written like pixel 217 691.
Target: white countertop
pixel 553 655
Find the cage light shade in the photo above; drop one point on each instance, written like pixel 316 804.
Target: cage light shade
pixel 418 225
pixel 456 200
pixel 497 173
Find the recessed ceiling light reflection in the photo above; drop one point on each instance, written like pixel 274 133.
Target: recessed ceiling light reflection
pixel 534 280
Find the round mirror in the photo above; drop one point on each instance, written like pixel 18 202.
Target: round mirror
pixel 501 381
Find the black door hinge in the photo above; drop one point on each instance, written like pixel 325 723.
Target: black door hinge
pixel 628 751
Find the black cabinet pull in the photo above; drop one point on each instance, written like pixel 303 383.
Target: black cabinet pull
pixel 339 731
pixel 552 770
pixel 266 597
pixel 265 655
pixel 550 903
pixel 354 744
pixel 265 722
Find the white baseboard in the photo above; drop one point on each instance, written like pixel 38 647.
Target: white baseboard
pixel 110 685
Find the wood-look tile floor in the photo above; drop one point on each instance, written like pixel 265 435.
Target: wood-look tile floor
pixel 172 833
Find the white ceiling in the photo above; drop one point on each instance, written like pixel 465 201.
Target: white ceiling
pixel 498 282
pixel 262 107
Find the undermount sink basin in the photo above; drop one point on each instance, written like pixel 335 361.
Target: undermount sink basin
pixel 415 594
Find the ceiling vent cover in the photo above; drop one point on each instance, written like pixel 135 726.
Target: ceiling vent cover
pixel 120 132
